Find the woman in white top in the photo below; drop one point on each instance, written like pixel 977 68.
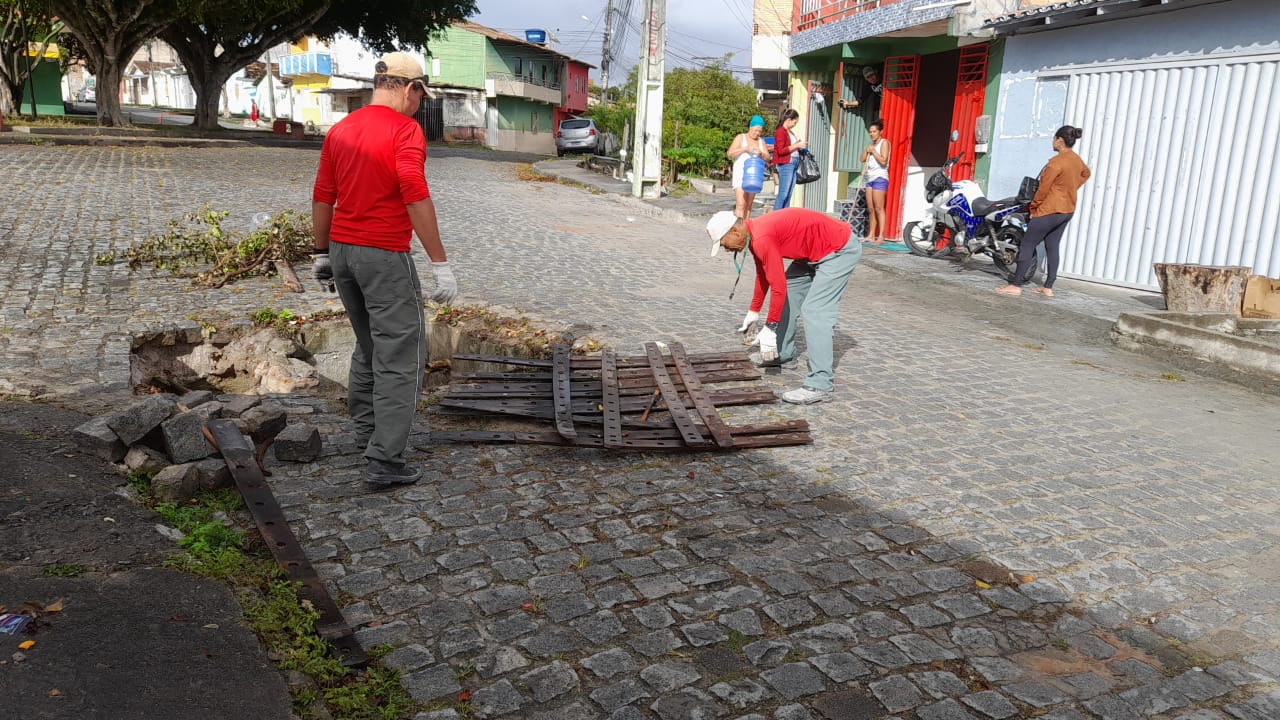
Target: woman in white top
pixel 875 171
pixel 744 146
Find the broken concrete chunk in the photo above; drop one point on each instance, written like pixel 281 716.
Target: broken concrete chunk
pixel 213 475
pixel 241 404
pixel 298 443
pixel 265 421
pixel 140 418
pixel 145 460
pixel 184 437
pixel 210 410
pixel 98 438
pixel 176 483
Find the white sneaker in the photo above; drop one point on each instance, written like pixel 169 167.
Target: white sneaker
pixel 806 395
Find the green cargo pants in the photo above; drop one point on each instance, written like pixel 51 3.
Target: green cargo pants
pixel 814 290
pixel 383 297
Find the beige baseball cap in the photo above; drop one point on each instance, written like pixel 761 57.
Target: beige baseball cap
pixel 402 65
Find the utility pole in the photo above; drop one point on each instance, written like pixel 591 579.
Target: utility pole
pixel 271 88
pixel 151 72
pixel 606 53
pixel 646 158
pixel 31 71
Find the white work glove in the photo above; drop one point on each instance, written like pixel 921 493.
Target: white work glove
pixel 322 271
pixel 446 283
pixel 747 321
pixel 768 340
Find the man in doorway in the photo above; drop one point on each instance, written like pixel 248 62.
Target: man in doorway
pixel 823 253
pixel 872 87
pixel 370 196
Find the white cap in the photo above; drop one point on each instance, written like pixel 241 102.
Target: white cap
pixel 719 224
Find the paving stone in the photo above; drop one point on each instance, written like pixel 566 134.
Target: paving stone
pixel 600 627
pixel 655 644
pixel 1237 673
pixel 1110 707
pixel 550 681
pixel 610 663
pixel 1134 671
pixel 790 613
pixel 687 704
pixel 833 604
pixel 704 633
pixel 459 640
pixel 701 576
pixel 743 621
pixel 740 694
pixel 434 682
pixel 497 700
pixel 925 616
pixel 615 594
pixel 878 625
pixel 766 652
pixel 668 676
pixel 408 658
pixel 654 617
pixel 792 712
pixel 298 443
pixel 501 598
pixel 513 626
pixel 627 713
pixel 612 697
pixel 141 417
pixel 551 641
pixel 637 567
pixel 848 705
pixel 656 587
pixel 501 662
pixel 995 669
pixel 946 710
pixel 788 583
pixel 697 607
pixel 939 684
pixel 265 421
pixel 551 585
pixel 840 667
pixel 401 599
pixel 826 638
pixel 567 607
pixel 896 693
pixel 991 704
pixel 1087 685
pixel 238 405
pixel 794 680
pixel 1092 646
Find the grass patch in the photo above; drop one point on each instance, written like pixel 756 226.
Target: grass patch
pixel 525 172
pixel 213 547
pixel 64 570
pixel 1172 377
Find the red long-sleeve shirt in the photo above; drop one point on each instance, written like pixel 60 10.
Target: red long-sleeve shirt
pixel 789 234
pixel 781 146
pixel 372 164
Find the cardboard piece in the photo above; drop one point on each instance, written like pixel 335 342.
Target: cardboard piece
pixel 1261 298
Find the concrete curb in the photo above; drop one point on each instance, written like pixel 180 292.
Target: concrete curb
pixel 120 140
pixel 1208 337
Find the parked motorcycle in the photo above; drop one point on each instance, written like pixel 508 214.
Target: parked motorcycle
pixel 962 221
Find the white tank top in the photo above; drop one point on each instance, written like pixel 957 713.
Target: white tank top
pixel 740 161
pixel 874 170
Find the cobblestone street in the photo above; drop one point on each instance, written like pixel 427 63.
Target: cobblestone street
pixel 1001 517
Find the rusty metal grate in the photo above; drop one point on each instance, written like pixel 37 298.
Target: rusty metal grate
pixel 654 401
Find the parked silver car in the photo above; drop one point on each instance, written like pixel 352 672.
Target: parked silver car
pixel 577 135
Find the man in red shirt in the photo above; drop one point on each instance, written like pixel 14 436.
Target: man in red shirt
pixel 370 196
pixel 822 256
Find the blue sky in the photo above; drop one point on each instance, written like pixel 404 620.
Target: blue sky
pixel 697 30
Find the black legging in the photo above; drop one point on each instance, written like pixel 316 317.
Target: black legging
pixel 1047 229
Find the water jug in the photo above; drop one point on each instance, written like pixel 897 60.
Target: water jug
pixel 753 174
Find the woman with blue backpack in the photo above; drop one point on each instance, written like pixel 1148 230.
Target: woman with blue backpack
pixel 749 154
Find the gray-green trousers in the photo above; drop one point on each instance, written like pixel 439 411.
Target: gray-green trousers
pixel 383 298
pixel 814 290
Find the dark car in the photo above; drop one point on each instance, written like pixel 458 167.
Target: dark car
pixel 577 135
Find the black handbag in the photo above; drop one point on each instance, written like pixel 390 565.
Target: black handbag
pixel 1027 190
pixel 808 170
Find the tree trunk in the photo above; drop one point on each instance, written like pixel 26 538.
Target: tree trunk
pixel 108 95
pixel 1202 288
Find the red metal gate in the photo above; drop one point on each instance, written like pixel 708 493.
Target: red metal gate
pixel 898 110
pixel 971 93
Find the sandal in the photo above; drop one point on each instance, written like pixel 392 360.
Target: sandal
pixel 1009 290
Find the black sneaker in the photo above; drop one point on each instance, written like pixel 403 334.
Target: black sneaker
pixel 384 474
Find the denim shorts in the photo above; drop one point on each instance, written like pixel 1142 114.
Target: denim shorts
pixel 878 184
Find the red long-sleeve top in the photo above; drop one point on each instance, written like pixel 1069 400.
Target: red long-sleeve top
pixel 789 234
pixel 781 146
pixel 372 164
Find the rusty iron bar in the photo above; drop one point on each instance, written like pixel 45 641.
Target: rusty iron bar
pixel 671 397
pixel 563 398
pixel 587 362
pixel 701 401
pixel 581 374
pixel 583 388
pixel 611 403
pixel 585 440
pixel 284 546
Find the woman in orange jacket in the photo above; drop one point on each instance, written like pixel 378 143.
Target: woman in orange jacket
pixel 1051 210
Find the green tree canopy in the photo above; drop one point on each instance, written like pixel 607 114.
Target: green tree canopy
pixel 26 31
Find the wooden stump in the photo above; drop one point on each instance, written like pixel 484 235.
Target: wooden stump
pixel 1202 288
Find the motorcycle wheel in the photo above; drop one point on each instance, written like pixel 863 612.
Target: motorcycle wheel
pixel 926 241
pixel 1005 255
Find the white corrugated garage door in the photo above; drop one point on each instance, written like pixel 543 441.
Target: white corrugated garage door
pixel 1186 166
